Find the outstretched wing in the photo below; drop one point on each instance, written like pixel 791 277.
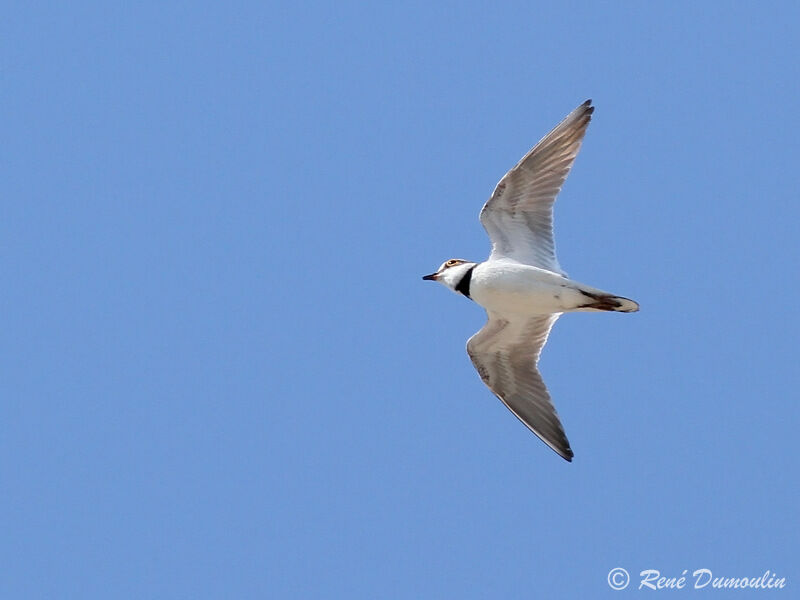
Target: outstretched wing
pixel 519 215
pixel 505 353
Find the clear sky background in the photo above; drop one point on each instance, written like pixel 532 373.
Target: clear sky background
pixel 222 376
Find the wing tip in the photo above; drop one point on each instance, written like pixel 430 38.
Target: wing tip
pixel 577 120
pixel 562 449
pixel 559 446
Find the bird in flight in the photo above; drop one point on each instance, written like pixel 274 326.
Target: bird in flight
pixel 521 285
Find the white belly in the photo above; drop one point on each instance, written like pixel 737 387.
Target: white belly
pixel 508 287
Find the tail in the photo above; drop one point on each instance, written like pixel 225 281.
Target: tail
pixel 608 302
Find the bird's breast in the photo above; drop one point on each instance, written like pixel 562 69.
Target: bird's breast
pixel 515 288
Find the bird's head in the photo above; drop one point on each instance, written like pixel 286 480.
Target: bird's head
pixel 451 272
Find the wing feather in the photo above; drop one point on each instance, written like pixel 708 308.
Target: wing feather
pixel 519 215
pixel 505 353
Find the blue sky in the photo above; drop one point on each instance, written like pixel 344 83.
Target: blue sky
pixel 222 376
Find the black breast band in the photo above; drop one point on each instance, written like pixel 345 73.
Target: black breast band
pixel 463 285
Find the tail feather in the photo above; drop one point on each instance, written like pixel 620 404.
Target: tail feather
pixel 609 302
